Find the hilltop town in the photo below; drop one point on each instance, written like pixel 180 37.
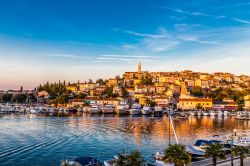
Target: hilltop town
pixel 184 90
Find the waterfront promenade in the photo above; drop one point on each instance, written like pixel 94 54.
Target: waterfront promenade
pixel 227 162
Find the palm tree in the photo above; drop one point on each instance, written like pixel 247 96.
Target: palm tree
pixel 242 152
pixel 215 151
pixel 177 154
pixel 133 159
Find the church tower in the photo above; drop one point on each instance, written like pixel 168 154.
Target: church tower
pixel 139 67
pixel 184 92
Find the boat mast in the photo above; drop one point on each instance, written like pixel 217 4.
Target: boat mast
pixel 176 139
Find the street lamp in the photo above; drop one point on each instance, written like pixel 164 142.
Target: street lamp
pixel 232 141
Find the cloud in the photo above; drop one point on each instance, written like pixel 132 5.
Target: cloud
pixel 129 56
pixel 65 56
pixel 193 38
pixel 241 21
pixel 189 13
pixel 146 35
pixel 158 42
pixel 231 58
pixel 109 58
pixel 180 25
pixel 209 15
pixel 163 40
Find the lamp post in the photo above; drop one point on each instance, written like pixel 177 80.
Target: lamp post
pixel 232 141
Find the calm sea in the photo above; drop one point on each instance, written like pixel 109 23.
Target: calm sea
pixel 46 140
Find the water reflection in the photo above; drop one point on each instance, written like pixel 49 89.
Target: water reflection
pixel 73 135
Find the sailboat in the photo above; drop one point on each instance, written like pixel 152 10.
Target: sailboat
pixel 158 156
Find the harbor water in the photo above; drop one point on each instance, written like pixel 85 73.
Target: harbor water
pixel 27 139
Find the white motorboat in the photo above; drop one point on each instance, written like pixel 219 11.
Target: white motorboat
pixel 108 108
pixel 94 109
pixel 213 113
pixel 193 113
pixel 206 113
pixel 220 113
pixel 181 116
pixel 242 115
pixel 225 113
pixel 199 113
pixel 135 109
pixel 51 110
pixel 35 111
pixel 122 108
pixel 86 109
pixel 158 111
pixel 81 161
pixel 80 109
pixel 146 110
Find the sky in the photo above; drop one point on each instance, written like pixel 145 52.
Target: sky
pixel 51 40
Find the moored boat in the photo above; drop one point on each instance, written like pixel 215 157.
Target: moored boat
pixel 146 110
pixel 135 109
pixel 193 113
pixel 81 161
pixel 199 113
pixel 94 109
pixel 158 111
pixel 108 109
pixel 122 108
pixel 213 113
pixel 181 116
pixel 206 113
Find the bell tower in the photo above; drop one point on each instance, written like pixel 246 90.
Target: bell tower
pixel 139 67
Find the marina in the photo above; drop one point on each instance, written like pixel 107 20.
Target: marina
pixel 52 137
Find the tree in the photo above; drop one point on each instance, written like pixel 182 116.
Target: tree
pixel 124 92
pixel 81 95
pixel 117 77
pixel 90 81
pixel 197 91
pixel 31 97
pixel 19 98
pixel 151 103
pixel 108 92
pixel 21 89
pixel 177 154
pixel 54 89
pixel 215 151
pixel 133 159
pixel 62 99
pixel 147 81
pixel 242 152
pixel 6 97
